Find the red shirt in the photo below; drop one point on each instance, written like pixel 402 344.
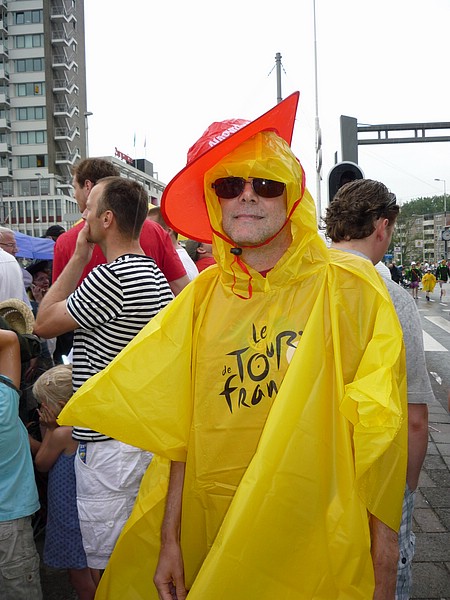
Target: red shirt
pixel 155 242
pixel 203 263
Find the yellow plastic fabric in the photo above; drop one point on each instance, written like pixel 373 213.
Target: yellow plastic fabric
pixel 278 486
pixel 428 282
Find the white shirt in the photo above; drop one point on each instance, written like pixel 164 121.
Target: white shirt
pixel 188 263
pixel 11 280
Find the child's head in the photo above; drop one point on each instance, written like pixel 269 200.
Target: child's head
pixel 54 387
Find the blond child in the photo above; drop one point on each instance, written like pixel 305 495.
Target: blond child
pixel 63 548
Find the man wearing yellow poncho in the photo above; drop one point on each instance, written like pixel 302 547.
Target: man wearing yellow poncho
pixel 273 382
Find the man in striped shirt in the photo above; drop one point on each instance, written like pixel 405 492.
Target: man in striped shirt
pixel 105 312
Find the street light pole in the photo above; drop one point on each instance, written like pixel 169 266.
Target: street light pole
pixel 39 176
pixel 445 211
pixel 86 129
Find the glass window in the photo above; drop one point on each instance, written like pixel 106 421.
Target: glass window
pixel 24 187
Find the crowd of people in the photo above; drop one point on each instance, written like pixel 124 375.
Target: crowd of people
pixel 424 276
pixel 195 444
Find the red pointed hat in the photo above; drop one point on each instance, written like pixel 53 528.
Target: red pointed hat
pixel 183 202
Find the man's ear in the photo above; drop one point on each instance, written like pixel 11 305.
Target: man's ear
pixel 107 218
pixel 381 228
pixel 201 250
pixel 88 185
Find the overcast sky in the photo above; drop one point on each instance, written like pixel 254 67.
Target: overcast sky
pixel 164 70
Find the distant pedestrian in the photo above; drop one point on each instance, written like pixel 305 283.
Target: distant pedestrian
pixel 428 283
pixel 442 276
pixel 415 276
pixel 395 273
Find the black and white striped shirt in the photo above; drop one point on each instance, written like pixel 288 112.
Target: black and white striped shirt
pixel 113 303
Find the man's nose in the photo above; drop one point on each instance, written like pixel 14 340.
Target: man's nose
pixel 248 194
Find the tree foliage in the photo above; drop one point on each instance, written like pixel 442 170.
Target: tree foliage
pixel 423 206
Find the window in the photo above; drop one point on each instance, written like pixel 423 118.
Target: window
pixel 29 41
pixel 27 16
pixel 27 65
pixel 30 89
pixel 30 113
pixel 32 161
pixel 31 137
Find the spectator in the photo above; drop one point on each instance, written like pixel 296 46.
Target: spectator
pixel 109 308
pixel 19 560
pixel 154 214
pixel 154 241
pixel 360 221
pixel 270 385
pixel 63 548
pixel 54 231
pixel 395 274
pixel 201 254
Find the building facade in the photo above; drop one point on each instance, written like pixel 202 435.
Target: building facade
pixel 42 110
pixel 419 238
pixel 44 117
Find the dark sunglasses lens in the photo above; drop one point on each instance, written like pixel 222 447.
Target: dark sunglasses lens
pixel 228 187
pixel 267 188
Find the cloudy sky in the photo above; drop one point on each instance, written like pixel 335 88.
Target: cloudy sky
pixel 164 70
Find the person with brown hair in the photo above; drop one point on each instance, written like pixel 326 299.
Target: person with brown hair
pixel 360 221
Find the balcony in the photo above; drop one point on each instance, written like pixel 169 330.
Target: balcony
pixel 5 148
pixel 61 13
pixel 4 52
pixel 62 85
pixel 66 134
pixel 60 37
pixel 4 73
pixel 5 124
pixel 63 61
pixel 5 100
pixel 5 172
pixel 64 109
pixel 3 26
pixel 67 158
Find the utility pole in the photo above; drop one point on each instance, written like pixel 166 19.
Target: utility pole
pixel 278 69
pixel 318 132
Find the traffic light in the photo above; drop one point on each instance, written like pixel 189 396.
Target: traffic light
pixel 340 174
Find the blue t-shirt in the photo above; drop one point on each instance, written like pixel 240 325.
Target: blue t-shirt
pixel 18 493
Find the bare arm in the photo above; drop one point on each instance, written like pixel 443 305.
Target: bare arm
pixel 169 575
pixel 178 284
pixel 53 319
pixel 417 442
pixel 385 556
pixel 10 364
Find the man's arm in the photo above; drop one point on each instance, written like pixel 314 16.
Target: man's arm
pixel 417 442
pixel 385 554
pixel 178 284
pixel 53 317
pixel 169 575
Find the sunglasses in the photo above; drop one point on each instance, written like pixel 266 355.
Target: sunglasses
pixel 231 187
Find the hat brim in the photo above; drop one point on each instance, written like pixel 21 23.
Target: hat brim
pixel 18 306
pixel 183 204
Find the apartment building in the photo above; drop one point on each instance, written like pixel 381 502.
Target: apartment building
pixel 44 117
pixel 42 110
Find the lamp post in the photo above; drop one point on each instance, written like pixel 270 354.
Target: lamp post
pixel 39 176
pixel 86 128
pixel 445 211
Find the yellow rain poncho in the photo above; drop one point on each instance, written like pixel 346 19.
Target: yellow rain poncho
pixel 282 464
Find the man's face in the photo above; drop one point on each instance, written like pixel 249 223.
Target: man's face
pixel 249 219
pixel 8 242
pixel 80 194
pixel 90 214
